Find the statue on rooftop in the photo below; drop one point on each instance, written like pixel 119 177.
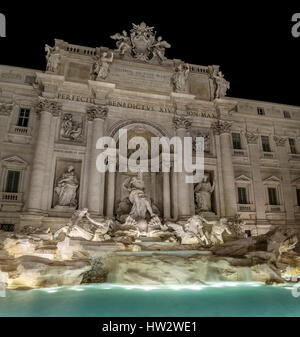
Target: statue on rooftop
pixel 221 85
pixel 53 58
pixel 141 44
pixel 158 49
pixel 123 43
pixel 100 68
pixel 179 77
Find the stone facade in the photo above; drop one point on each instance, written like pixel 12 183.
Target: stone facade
pixel 51 120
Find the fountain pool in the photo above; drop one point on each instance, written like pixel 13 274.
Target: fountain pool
pixel 228 299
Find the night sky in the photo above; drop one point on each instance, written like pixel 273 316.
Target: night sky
pixel 253 45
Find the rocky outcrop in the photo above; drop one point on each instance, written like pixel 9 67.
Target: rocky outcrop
pixel 33 271
pixel 167 269
pixel 35 261
pixel 269 246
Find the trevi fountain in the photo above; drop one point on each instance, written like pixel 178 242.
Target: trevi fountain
pixel 76 242
pixel 143 254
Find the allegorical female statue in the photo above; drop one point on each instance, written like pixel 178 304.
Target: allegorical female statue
pixel 180 77
pixel 67 188
pixel 52 57
pixel 203 192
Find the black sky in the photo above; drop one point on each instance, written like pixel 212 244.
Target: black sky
pixel 252 44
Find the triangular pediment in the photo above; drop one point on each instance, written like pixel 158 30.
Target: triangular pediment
pixel 272 179
pixel 243 179
pixel 14 161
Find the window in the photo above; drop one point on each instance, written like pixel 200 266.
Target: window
pixel 30 79
pixel 286 114
pixel 265 143
pixel 242 195
pixel 260 111
pixel 248 232
pixel 12 181
pixel 236 141
pixel 272 196
pixel 298 196
pixel 23 117
pixel 292 145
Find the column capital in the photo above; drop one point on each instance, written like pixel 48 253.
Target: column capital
pixel 182 122
pixel 44 104
pixel 251 137
pixel 279 140
pixel 97 112
pixel 221 126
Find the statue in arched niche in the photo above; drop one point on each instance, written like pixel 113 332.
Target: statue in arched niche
pixel 203 193
pixel 66 188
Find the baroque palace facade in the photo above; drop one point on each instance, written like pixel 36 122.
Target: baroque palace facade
pixel 51 120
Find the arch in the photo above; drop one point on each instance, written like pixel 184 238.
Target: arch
pixel 137 123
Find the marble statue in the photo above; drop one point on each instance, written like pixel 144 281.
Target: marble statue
pixel 184 237
pixel 191 233
pixel 70 129
pixel 221 85
pixel 100 68
pixel 141 206
pixel 203 192
pixel 123 43
pixel 66 188
pixel 179 77
pixel 159 48
pixel 217 230
pixel 206 138
pixel 195 225
pixel 141 44
pixel 288 244
pixel 75 228
pixel 52 57
pixel 237 227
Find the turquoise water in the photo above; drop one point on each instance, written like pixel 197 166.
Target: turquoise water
pixel 219 299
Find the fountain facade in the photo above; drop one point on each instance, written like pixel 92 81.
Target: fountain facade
pixel 72 223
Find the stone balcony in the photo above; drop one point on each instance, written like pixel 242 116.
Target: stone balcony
pixel 11 197
pixel 268 155
pixel 246 207
pixel 11 202
pixel 20 134
pixel 21 130
pixel 239 153
pixel 294 159
pixel 275 209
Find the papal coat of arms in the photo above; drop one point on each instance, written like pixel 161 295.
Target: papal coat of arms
pixel 141 44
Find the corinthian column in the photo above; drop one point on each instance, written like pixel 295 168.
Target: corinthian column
pixel 222 130
pixel 46 109
pixel 182 125
pixel 96 180
pixel 258 187
pixel 166 195
pixel 111 192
